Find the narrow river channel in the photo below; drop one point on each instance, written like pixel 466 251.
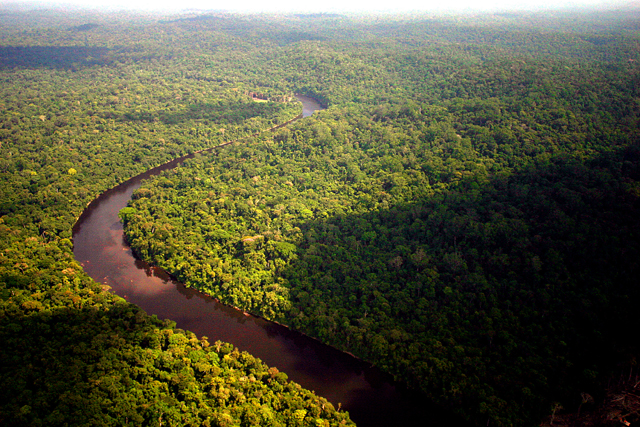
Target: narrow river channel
pixel 370 396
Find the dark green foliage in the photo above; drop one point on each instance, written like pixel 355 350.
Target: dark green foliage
pixel 51 56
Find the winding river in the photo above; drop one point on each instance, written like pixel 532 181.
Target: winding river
pixel 370 396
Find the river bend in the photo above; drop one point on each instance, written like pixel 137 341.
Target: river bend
pixel 370 396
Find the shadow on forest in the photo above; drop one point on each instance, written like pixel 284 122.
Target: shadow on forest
pixel 60 57
pixel 226 113
pixel 70 362
pixel 245 29
pixel 528 280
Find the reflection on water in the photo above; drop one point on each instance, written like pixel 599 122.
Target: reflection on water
pixel 309 105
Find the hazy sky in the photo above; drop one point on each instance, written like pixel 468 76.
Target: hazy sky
pixel 338 5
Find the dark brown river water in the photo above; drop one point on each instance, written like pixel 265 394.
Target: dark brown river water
pixel 370 396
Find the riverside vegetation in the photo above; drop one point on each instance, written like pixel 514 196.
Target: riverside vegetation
pixel 464 214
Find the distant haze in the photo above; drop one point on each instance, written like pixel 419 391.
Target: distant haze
pixel 336 5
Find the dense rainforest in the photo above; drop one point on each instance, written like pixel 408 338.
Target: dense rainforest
pixel 463 214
